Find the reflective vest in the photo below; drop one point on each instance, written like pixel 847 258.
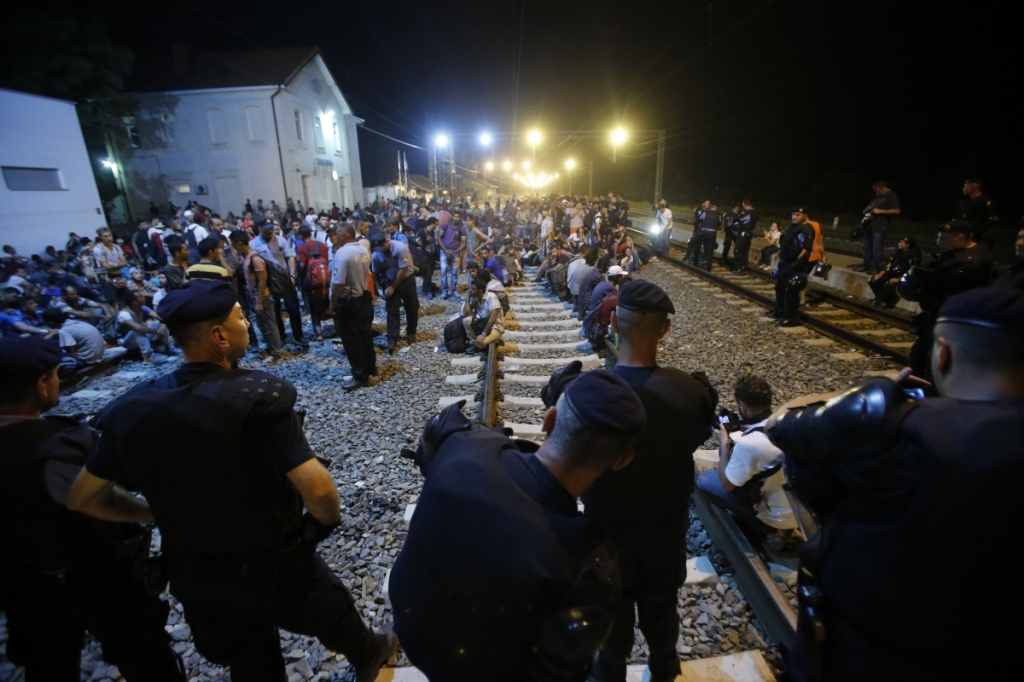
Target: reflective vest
pixel 818 245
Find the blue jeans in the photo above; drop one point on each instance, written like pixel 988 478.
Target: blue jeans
pixel 734 500
pixel 449 271
pixel 871 243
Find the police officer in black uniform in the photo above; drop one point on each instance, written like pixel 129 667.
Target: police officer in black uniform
pixel 728 223
pixel 499 568
pixel 962 264
pixel 1014 275
pixel 977 209
pixel 791 277
pixel 693 246
pixel 908 481
pixel 62 573
pixel 645 506
pixel 744 225
pixel 707 234
pixel 220 456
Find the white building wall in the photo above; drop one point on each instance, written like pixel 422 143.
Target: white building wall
pixel 38 132
pixel 224 142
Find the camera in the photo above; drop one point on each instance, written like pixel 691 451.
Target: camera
pixel 727 417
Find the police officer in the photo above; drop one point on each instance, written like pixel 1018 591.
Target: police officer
pixel 1014 275
pixel 645 506
pixel 352 306
pixel 977 209
pixel 62 573
pixel 227 479
pixel 910 480
pixel 693 246
pixel 744 225
pixel 728 222
pixel 710 221
pixel 497 551
pixel 791 278
pixel 962 264
pixel 395 273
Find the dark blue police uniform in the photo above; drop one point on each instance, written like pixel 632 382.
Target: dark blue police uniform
pixel 797 238
pixel 744 226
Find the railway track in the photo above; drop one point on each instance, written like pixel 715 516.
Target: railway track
pixel 827 317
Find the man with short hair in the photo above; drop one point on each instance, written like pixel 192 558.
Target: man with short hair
pixel 175 270
pixel 278 251
pixel 76 306
pixel 394 272
pixel 744 225
pixel 794 262
pixel 645 507
pixel 978 209
pixel 482 315
pixel 88 341
pixel 227 482
pixel 60 572
pixel 897 487
pixel 262 303
pixel 452 238
pixel 526 598
pixel 211 261
pixel 138 326
pixel 884 205
pixel 352 307
pixel 750 467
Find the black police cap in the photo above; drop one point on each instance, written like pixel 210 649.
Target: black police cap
pixel 605 403
pixel 644 297
pixel 990 307
pixel 27 357
pixel 801 209
pixel 200 300
pixel 956 226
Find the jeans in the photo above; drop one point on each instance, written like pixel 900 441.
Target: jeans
pixel 291 304
pixel 734 500
pixel 766 254
pixel 267 322
pixel 427 273
pixel 871 244
pixel 494 335
pixel 143 342
pixel 449 271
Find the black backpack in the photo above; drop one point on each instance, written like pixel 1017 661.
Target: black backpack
pixel 455 340
pixel 279 282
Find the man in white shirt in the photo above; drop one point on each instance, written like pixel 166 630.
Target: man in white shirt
pixel 194 233
pixel 482 306
pixel 579 266
pixel 664 216
pixel 749 480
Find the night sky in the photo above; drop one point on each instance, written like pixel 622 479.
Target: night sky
pixel 775 98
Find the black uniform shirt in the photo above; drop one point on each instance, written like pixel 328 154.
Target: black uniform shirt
pixel 978 211
pixel 796 238
pixel 492 549
pixel 209 448
pixel 710 220
pixel 746 221
pixel 660 478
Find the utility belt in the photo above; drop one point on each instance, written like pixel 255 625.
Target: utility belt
pixel 256 566
pixel 708 230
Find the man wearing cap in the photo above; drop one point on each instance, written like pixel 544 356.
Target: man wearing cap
pixel 645 507
pixel 395 273
pixel 227 481
pixel 963 264
pixel 60 572
pixel 794 258
pixel 908 480
pixel 352 306
pixel 497 551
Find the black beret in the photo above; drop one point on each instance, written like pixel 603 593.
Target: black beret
pixel 27 357
pixel 645 297
pixel 199 300
pixel 376 236
pixel 605 403
pixel 956 226
pixel 992 307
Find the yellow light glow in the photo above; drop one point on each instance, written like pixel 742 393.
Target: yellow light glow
pixel 534 137
pixel 489 166
pixel 507 165
pixel 570 164
pixel 618 136
pixel 526 165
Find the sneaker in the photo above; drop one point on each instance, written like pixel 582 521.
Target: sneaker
pixel 410 339
pixel 430 297
pixel 353 384
pixel 789 323
pixel 301 343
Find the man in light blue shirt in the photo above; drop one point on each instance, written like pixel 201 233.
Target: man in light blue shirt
pixel 396 275
pixel 277 250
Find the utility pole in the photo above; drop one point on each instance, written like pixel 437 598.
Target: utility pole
pixel 659 172
pixel 433 171
pixel 590 185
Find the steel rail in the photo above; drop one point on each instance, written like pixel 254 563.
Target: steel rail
pixel 489 404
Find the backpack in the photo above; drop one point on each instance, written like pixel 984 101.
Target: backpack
pixel 190 238
pixel 318 273
pixel 559 280
pixel 591 322
pixel 108 328
pixel 279 282
pixel 644 253
pixel 455 340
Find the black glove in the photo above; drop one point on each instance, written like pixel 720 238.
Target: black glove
pixel 559 381
pixel 443 424
pixel 314 532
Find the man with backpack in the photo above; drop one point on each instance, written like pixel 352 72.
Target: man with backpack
pixel 280 254
pixel 315 275
pixel 263 304
pixel 194 233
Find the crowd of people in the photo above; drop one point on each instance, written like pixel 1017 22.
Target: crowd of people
pixel 499 564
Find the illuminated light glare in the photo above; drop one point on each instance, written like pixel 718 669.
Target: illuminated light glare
pixel 570 164
pixel 485 139
pixel 507 165
pixel 441 141
pixel 334 174
pixel 655 229
pixel 107 163
pixel 526 165
pixel 534 137
pixel 556 175
pixel 489 166
pixel 618 136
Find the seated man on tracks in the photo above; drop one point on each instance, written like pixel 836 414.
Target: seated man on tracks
pixel 482 315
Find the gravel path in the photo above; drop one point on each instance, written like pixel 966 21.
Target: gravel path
pixel 363 433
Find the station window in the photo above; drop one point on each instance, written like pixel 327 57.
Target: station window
pixel 337 138
pixel 21 179
pixel 254 119
pixel 132 131
pixel 184 189
pixel 300 133
pixel 318 134
pixel 169 135
pixel 218 127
